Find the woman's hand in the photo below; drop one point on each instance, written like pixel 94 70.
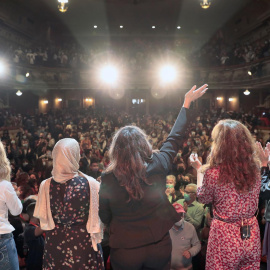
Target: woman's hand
pixel 195 162
pixel 194 94
pixel 264 154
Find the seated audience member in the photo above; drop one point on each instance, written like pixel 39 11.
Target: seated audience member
pixel 34 239
pixel 194 210
pixel 185 242
pixel 171 193
pixel 94 169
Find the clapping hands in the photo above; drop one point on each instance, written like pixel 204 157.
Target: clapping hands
pixel 264 154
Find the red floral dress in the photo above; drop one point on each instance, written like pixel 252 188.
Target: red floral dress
pixel 226 250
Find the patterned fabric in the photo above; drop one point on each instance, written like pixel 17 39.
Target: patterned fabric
pixel 226 250
pixel 69 245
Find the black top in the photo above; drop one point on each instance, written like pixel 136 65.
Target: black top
pixel 265 191
pixel 143 222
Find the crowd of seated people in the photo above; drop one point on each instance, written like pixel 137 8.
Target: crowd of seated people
pixel 138 53
pixel 30 153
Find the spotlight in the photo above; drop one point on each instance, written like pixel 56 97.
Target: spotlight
pixel 2 68
pixel 59 99
pixel 45 101
pixel 27 74
pixel 121 26
pixel 249 73
pixel 168 74
pixel 219 98
pixel 109 74
pixel 231 99
pixel 18 93
pixel 153 27
pixel 178 27
pixel 246 92
pixel 95 26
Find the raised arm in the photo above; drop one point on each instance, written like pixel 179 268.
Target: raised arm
pixel 173 142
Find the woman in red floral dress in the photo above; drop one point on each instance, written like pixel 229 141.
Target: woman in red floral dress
pixel 231 182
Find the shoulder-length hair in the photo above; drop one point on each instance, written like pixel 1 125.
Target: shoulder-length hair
pixel 128 154
pixel 234 152
pixel 5 168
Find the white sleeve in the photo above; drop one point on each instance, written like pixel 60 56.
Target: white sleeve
pixel 12 201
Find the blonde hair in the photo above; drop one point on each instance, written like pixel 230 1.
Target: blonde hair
pixel 171 177
pixel 234 152
pixel 4 164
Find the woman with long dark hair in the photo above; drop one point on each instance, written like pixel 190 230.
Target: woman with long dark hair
pixel 231 182
pixel 132 195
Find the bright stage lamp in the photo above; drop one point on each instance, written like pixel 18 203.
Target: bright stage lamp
pixel 168 74
pixel 2 69
pixel 18 93
pixel 109 74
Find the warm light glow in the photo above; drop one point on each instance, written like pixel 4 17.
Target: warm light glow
pixel 62 6
pixel 109 74
pixel 59 99
pixel 219 98
pixel 205 4
pixel 231 99
pixel 18 93
pixel 168 74
pixel 246 92
pixel 27 74
pixel 45 101
pixel 90 99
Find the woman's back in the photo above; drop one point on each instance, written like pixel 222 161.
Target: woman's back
pixel 229 204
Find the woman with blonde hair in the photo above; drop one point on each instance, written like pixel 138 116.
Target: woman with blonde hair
pixel 132 195
pixel 9 201
pixel 231 182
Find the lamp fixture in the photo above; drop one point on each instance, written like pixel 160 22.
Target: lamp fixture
pixel 63 5
pixel 59 99
pixel 205 4
pixel 45 101
pixel 219 98
pixel 246 92
pixel 18 93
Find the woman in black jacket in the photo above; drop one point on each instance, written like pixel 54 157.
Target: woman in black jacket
pixel 132 195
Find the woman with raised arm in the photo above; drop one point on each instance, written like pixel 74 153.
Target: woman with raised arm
pixel 9 201
pixel 132 197
pixel 67 207
pixel 231 181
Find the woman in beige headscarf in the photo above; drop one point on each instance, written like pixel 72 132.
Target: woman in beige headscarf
pixel 67 207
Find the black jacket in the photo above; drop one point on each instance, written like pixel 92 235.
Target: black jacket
pixel 139 223
pixel 265 191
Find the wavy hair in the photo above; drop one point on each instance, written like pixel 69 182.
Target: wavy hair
pixel 128 154
pixel 234 152
pixel 5 168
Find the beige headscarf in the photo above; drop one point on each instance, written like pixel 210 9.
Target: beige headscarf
pixel 66 157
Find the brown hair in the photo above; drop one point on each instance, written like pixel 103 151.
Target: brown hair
pixel 234 152
pixel 128 154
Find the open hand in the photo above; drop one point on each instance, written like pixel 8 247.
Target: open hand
pixel 264 154
pixel 194 94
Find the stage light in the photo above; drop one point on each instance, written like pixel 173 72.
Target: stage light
pixel 27 74
pixel 246 92
pixel 178 27
pixel 59 99
pixel 63 5
pixel 95 26
pixel 153 27
pixel 45 101
pixel 231 99
pixel 2 68
pixel 18 93
pixel 168 74
pixel 249 73
pixel 219 98
pixel 109 74
pixel 121 26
